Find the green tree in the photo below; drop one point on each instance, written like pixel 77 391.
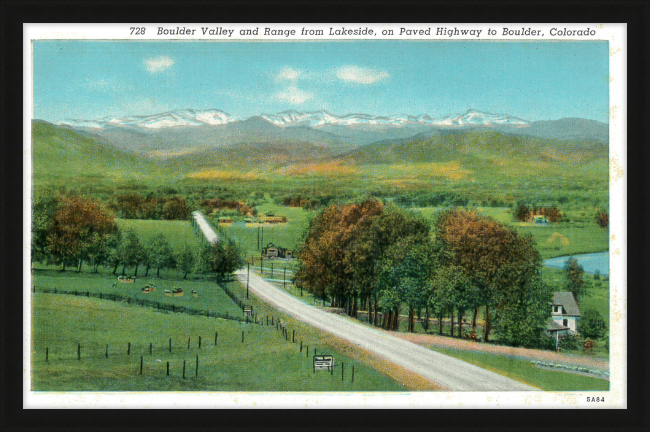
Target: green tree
pixel 160 254
pixel 521 319
pixel 186 261
pixel 574 277
pixel 592 324
pixel 130 251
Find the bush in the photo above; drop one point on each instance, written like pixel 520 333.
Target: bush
pixel 592 325
pixel 547 342
pixel 570 342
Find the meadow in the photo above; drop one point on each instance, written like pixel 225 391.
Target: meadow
pixel 525 371
pixel 264 361
pixel 178 233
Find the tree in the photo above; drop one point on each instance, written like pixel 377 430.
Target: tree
pixel 176 208
pixel 522 213
pixel 404 276
pixel 160 253
pixel 602 219
pixel 452 289
pixel 77 225
pixel 592 324
pixel 130 251
pixel 185 261
pixel 574 277
pixel 496 259
pixel 521 321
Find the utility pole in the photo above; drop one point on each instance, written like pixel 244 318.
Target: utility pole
pixel 285 278
pixel 248 271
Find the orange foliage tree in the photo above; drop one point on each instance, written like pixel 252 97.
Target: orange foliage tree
pixel 497 260
pixel 78 225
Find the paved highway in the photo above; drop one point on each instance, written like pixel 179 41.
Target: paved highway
pixel 447 371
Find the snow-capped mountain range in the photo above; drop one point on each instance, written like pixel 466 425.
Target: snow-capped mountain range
pixel 314 119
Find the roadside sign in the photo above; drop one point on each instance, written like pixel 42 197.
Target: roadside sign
pixel 248 310
pixel 323 362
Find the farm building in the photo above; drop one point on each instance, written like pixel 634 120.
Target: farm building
pixel 540 220
pixel 203 229
pixel 565 315
pixel 225 220
pixel 272 251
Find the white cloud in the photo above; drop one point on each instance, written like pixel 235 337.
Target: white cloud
pixel 294 95
pixel 360 75
pixel 102 84
pixel 288 74
pixel 158 64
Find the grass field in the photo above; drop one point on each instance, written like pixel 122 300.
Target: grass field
pixel 210 295
pixel 526 372
pixel 263 362
pixel 178 233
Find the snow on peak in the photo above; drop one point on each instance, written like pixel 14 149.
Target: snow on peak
pixel 314 119
pixel 477 118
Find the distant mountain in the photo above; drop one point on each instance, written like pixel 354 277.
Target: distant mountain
pixel 202 135
pixel 474 145
pixel 172 119
pixel 568 128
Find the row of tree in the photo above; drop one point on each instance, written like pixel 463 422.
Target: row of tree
pixel 379 258
pixel 523 213
pixel 72 230
pixel 136 206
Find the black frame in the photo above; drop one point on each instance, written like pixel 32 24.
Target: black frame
pixel 635 14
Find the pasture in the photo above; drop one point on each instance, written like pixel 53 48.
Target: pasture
pixel 264 361
pixel 525 371
pixel 178 233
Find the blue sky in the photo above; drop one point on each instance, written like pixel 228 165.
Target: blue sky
pixel 529 80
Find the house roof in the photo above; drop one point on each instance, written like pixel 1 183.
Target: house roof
pixel 566 300
pixel 555 326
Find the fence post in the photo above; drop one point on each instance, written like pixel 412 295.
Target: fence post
pixel 307 354
pixel 197 366
pixel 267 320
pixel 352 380
pixel 215 338
pixel 188 343
pixel 300 346
pixel 78 351
pixel 242 336
pixel 106 353
pixel 184 369
pixel 342 370
pixel 271 320
pixel 140 365
pixel 128 350
pixel 170 344
pixel 150 348
pixel 47 353
pixel 167 368
pixel 199 342
pixel 293 336
pixel 314 351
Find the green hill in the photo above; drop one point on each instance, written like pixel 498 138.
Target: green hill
pixel 476 146
pixel 60 155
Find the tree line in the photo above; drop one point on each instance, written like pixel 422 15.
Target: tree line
pixel 382 258
pixel 73 230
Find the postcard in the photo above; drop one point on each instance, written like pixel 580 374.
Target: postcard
pixel 325 216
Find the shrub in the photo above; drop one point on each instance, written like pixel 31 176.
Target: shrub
pixel 592 325
pixel 569 342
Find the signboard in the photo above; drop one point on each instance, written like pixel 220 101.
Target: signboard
pixel 248 311
pixel 323 362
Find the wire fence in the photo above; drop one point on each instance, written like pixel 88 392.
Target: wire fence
pixel 155 304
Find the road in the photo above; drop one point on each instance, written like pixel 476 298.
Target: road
pixel 448 372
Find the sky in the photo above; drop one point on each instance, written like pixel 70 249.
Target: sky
pixel 544 80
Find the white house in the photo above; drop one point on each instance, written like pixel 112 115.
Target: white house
pixel 565 315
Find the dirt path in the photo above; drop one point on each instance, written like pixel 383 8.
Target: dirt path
pixel 434 341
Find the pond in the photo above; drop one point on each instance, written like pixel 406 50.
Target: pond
pixel 589 262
